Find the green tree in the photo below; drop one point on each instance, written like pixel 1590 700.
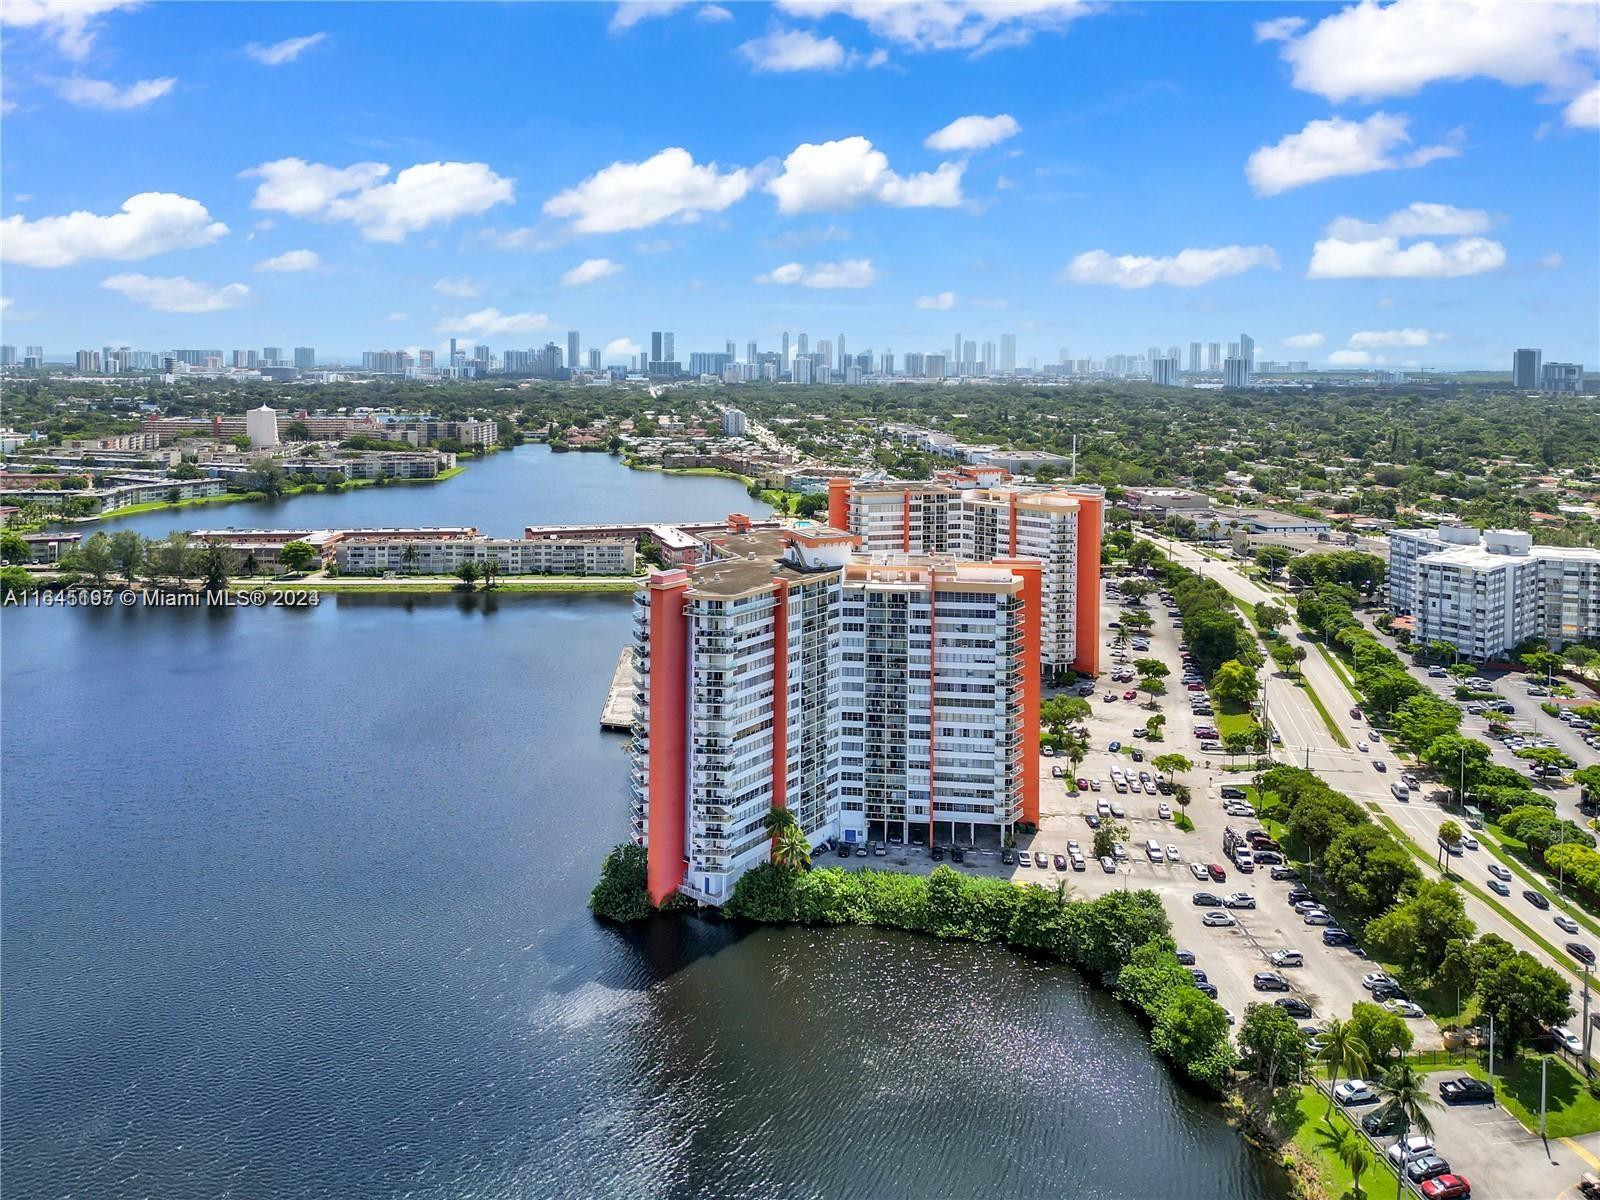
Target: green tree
pixel 1418 932
pixel 1356 1155
pixel 1172 765
pixel 94 558
pixel 1235 684
pixel 792 849
pixel 1344 1052
pixel 1450 836
pixel 1460 760
pixel 1271 617
pixel 1403 1092
pixel 1367 868
pixel 297 555
pixel 214 563
pixel 1193 1033
pixel 467 572
pixel 1422 719
pixel 1524 995
pixel 170 558
pixel 487 570
pixel 1273 559
pixel 13 549
pixel 1588 778
pixel 16 581
pixel 1385 1035
pixel 128 551
pixel 297 431
pixel 1274 1048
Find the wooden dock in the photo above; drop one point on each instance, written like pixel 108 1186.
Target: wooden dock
pixel 618 711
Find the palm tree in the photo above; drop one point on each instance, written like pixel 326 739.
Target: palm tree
pixel 1401 1090
pixel 1353 1152
pixel 1449 837
pixel 778 819
pixel 1345 1051
pixel 410 556
pixel 792 849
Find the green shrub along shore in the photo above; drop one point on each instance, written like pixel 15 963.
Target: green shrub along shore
pixel 1123 938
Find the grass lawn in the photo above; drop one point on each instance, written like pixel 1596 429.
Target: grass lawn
pixel 1317 1137
pixel 1233 720
pixel 1570 1108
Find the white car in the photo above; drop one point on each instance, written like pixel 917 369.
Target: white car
pixel 1403 1008
pixel 1354 1091
pixel 1499 872
pixel 1217 919
pixel 1164 811
pixel 1287 958
pixel 1568 1039
pixel 1172 853
pixel 1373 978
pixel 1566 925
pixel 1199 872
pixel 1470 842
pixel 1405 1149
pixel 1361 746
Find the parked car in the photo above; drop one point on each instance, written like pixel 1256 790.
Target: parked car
pixel 1403 1008
pixel 1383 1120
pixel 1172 853
pixel 1008 856
pixel 1448 1186
pixel 1281 873
pixel 1039 860
pixel 1185 958
pixel 1240 900
pixel 1198 870
pixel 1270 981
pixel 1295 1007
pixel 1352 1092
pixel 1216 872
pixel 1429 1166
pixel 1108 864
pixel 1217 919
pixel 1403 1150
pixel 1568 1040
pixel 1207 900
pixel 1464 1089
pixel 1287 958
pixel 1060 861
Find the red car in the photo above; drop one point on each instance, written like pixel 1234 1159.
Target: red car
pixel 1196 687
pixel 1446 1187
pixel 1216 872
pixel 1083 785
pixel 1130 694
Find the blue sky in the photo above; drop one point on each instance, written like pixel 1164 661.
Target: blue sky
pixel 1138 175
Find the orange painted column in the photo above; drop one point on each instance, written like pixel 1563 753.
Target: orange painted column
pixel 933 702
pixel 905 521
pixel 1012 549
pixel 669 701
pixel 1091 512
pixel 1031 572
pixel 839 504
pixel 780 695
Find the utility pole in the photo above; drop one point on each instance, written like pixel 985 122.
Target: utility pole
pixel 1491 1047
pixel 1588 1068
pixel 1544 1075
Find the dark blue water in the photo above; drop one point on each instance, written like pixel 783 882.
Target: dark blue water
pixel 500 494
pixel 292 905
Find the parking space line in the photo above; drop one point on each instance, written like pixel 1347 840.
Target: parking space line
pixel 1581 1153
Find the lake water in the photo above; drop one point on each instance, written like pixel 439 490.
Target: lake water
pixel 293 906
pixel 501 494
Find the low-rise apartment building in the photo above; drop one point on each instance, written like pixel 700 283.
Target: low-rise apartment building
pixel 377 555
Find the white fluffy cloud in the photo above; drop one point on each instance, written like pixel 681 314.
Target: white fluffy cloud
pixel 291 260
pixel 1584 112
pixel 847 273
pixel 973 133
pixel 1187 268
pixel 629 13
pixel 98 93
pixel 834 176
pixel 590 270
pixel 1366 339
pixel 1415 220
pixel 1325 149
pixel 1353 358
pixel 940 302
pixel 462 287
pixel 1383 258
pixel 286 51
pixel 488 322
pixel 712 14
pixel 1367 51
pixel 793 50
pixel 629 195
pixel 1278 29
pixel 620 349
pixel 1303 341
pixel 419 196
pixel 975 25
pixel 1355 249
pixel 71 23
pixel 175 294
pixel 149 223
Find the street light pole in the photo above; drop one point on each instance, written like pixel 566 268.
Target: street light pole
pixel 1587 1068
pixel 1544 1074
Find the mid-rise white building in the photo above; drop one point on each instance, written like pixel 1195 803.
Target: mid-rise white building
pixel 1487 594
pixel 870 696
pixel 733 423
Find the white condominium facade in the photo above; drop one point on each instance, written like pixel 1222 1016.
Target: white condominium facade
pixel 975 514
pixel 1486 595
pixel 871 697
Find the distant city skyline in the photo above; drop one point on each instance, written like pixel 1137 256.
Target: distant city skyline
pixel 1350 206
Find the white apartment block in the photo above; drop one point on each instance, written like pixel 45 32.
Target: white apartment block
pixel 1487 594
pixel 515 556
pixel 977 515
pixel 870 698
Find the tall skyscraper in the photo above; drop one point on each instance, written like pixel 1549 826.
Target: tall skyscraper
pixel 594 359
pixel 956 357
pixel 886 363
pixel 305 358
pixel 1214 357
pixel 572 349
pixel 824 355
pixel 1008 353
pixel 802 343
pixel 1233 350
pixel 1194 356
pixel 8 356
pixel 1164 371
pixel 668 348
pixel 1236 372
pixel 1247 349
pixel 1151 356
pixel 1525 369
pixel 969 355
pixel 842 362
pixel 1176 356
pixel 750 352
pixel 783 362
pixel 656 347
